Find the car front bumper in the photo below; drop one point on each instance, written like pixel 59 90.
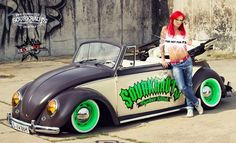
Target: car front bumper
pixel 30 127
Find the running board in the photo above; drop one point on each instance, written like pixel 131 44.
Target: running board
pixel 151 115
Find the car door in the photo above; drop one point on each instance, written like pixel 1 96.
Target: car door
pixel 145 89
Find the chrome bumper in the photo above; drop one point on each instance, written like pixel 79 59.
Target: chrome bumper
pixel 32 127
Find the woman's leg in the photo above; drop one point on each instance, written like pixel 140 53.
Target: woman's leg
pixel 189 84
pixel 183 76
pixel 188 80
pixel 179 75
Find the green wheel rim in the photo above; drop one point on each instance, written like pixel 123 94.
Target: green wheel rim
pixel 210 92
pixel 91 120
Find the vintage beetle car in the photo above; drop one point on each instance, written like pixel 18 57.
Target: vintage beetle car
pixel 108 83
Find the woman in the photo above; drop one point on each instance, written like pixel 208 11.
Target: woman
pixel 174 40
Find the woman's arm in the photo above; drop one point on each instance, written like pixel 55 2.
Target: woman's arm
pixel 162 41
pixel 161 46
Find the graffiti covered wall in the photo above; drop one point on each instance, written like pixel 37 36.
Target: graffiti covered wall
pixel 18 25
pixel 70 22
pixel 208 19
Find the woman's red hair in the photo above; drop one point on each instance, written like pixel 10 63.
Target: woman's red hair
pixel 174 16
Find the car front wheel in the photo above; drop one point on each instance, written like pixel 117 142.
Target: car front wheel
pixel 85 116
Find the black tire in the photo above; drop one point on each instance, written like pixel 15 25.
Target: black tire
pixel 210 93
pixel 208 87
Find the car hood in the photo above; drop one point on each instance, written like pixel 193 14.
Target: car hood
pixel 48 85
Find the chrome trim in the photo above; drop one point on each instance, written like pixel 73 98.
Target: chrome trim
pixel 206 91
pixel 32 127
pixel 83 114
pixel 151 115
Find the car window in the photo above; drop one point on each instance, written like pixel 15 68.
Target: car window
pixel 98 52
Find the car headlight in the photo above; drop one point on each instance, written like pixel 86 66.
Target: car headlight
pixel 52 107
pixel 16 98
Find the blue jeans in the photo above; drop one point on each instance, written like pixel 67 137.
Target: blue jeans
pixel 182 73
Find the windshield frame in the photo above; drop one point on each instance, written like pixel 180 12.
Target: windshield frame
pixel 102 42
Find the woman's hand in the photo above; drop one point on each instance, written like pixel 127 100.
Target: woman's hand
pixel 164 64
pixel 190 42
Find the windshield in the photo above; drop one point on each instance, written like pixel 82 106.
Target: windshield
pixel 97 52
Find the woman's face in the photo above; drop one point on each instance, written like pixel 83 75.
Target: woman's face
pixel 178 21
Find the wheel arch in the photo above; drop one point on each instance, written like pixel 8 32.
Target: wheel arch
pixel 70 99
pixel 204 73
pixel 201 75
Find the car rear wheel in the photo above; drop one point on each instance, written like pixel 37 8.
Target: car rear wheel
pixel 85 116
pixel 210 93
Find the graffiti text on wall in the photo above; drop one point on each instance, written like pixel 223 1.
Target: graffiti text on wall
pixel 13 12
pixel 29 20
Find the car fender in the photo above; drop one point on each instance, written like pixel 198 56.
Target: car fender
pixel 202 74
pixel 24 87
pixel 67 102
